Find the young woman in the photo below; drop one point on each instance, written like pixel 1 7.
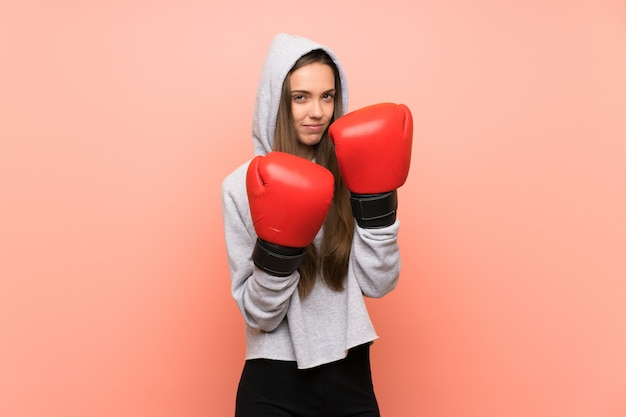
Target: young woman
pixel 299 263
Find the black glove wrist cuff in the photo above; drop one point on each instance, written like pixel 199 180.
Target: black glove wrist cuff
pixel 374 210
pixel 277 260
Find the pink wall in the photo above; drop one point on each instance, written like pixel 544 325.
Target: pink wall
pixel 118 121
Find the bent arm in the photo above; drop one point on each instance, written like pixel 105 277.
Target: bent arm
pixel 375 259
pixel 263 299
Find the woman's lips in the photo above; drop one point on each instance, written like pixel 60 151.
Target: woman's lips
pixel 314 128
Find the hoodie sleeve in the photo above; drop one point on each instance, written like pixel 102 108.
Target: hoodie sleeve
pixel 263 299
pixel 375 259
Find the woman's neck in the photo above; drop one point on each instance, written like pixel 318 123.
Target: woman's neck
pixel 307 152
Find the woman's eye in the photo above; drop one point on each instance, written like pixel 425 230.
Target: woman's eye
pixel 329 96
pixel 298 98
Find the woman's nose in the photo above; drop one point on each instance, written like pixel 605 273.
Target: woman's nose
pixel 316 111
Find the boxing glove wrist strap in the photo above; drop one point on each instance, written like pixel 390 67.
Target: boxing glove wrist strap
pixel 276 260
pixel 374 210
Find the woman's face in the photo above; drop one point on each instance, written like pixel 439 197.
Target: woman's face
pixel 312 101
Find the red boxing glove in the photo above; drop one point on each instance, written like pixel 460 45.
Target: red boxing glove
pixel 289 198
pixel 373 148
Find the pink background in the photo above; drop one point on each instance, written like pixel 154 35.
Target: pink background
pixel 119 119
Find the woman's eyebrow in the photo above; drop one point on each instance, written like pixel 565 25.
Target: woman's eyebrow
pixel 331 90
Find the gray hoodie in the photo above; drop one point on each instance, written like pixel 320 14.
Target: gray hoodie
pixel 279 324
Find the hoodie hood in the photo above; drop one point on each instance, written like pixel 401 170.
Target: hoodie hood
pixel 283 53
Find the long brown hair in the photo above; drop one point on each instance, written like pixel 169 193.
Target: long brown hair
pixel 331 259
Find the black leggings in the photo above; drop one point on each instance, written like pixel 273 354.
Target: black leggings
pixel 270 388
